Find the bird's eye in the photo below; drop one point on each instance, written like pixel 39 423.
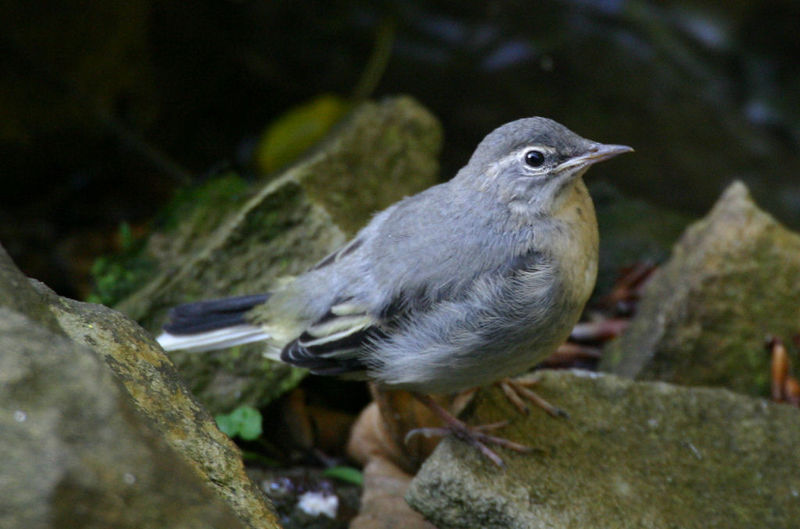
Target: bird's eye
pixel 534 158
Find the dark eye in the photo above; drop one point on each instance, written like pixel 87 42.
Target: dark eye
pixel 534 158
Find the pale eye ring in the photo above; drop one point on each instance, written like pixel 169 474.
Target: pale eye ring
pixel 534 158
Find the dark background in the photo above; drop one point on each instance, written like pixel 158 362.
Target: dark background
pixel 106 108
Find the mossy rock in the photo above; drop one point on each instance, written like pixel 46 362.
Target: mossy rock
pixel 733 279
pixel 631 455
pixel 98 430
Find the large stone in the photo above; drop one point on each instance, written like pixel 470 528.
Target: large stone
pixel 97 430
pixel 733 279
pixel 74 451
pixel 382 153
pixel 632 454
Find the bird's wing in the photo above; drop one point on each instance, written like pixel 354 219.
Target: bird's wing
pixel 409 258
pixel 332 345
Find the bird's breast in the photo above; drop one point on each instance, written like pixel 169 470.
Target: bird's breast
pixel 575 244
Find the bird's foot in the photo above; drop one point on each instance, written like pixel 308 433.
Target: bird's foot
pixel 472 435
pixel 517 389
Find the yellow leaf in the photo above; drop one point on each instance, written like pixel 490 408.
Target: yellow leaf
pixel 294 132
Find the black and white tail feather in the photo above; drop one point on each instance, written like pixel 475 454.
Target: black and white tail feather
pixel 213 324
pixel 332 345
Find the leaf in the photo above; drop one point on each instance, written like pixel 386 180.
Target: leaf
pixel 295 131
pixel 346 474
pixel 243 422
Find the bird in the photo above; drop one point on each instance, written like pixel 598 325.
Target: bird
pixel 464 284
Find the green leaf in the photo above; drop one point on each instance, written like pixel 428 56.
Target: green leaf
pixel 243 422
pixel 227 425
pixel 346 474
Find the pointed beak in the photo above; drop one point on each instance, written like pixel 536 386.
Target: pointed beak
pixel 596 153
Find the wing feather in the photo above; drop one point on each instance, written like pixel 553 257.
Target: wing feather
pixel 334 343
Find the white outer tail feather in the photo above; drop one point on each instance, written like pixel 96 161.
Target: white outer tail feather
pixel 212 340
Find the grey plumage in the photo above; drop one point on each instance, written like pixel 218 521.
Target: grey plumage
pixel 467 282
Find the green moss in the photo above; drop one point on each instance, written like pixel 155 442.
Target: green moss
pixel 275 214
pixel 199 208
pixel 202 205
pixel 116 276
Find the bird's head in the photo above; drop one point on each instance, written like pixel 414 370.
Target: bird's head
pixel 532 162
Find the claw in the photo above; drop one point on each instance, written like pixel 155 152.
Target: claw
pixel 473 435
pixel 516 389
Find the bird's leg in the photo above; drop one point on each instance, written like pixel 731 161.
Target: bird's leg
pixel 473 435
pixel 516 389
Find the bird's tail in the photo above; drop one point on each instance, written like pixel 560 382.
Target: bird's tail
pixel 214 324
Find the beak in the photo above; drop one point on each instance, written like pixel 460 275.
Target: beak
pixel 596 153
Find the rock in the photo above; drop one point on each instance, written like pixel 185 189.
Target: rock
pixel 733 279
pixel 632 454
pixel 16 293
pixel 98 431
pixel 75 453
pixel 383 152
pixel 159 394
pixel 382 503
